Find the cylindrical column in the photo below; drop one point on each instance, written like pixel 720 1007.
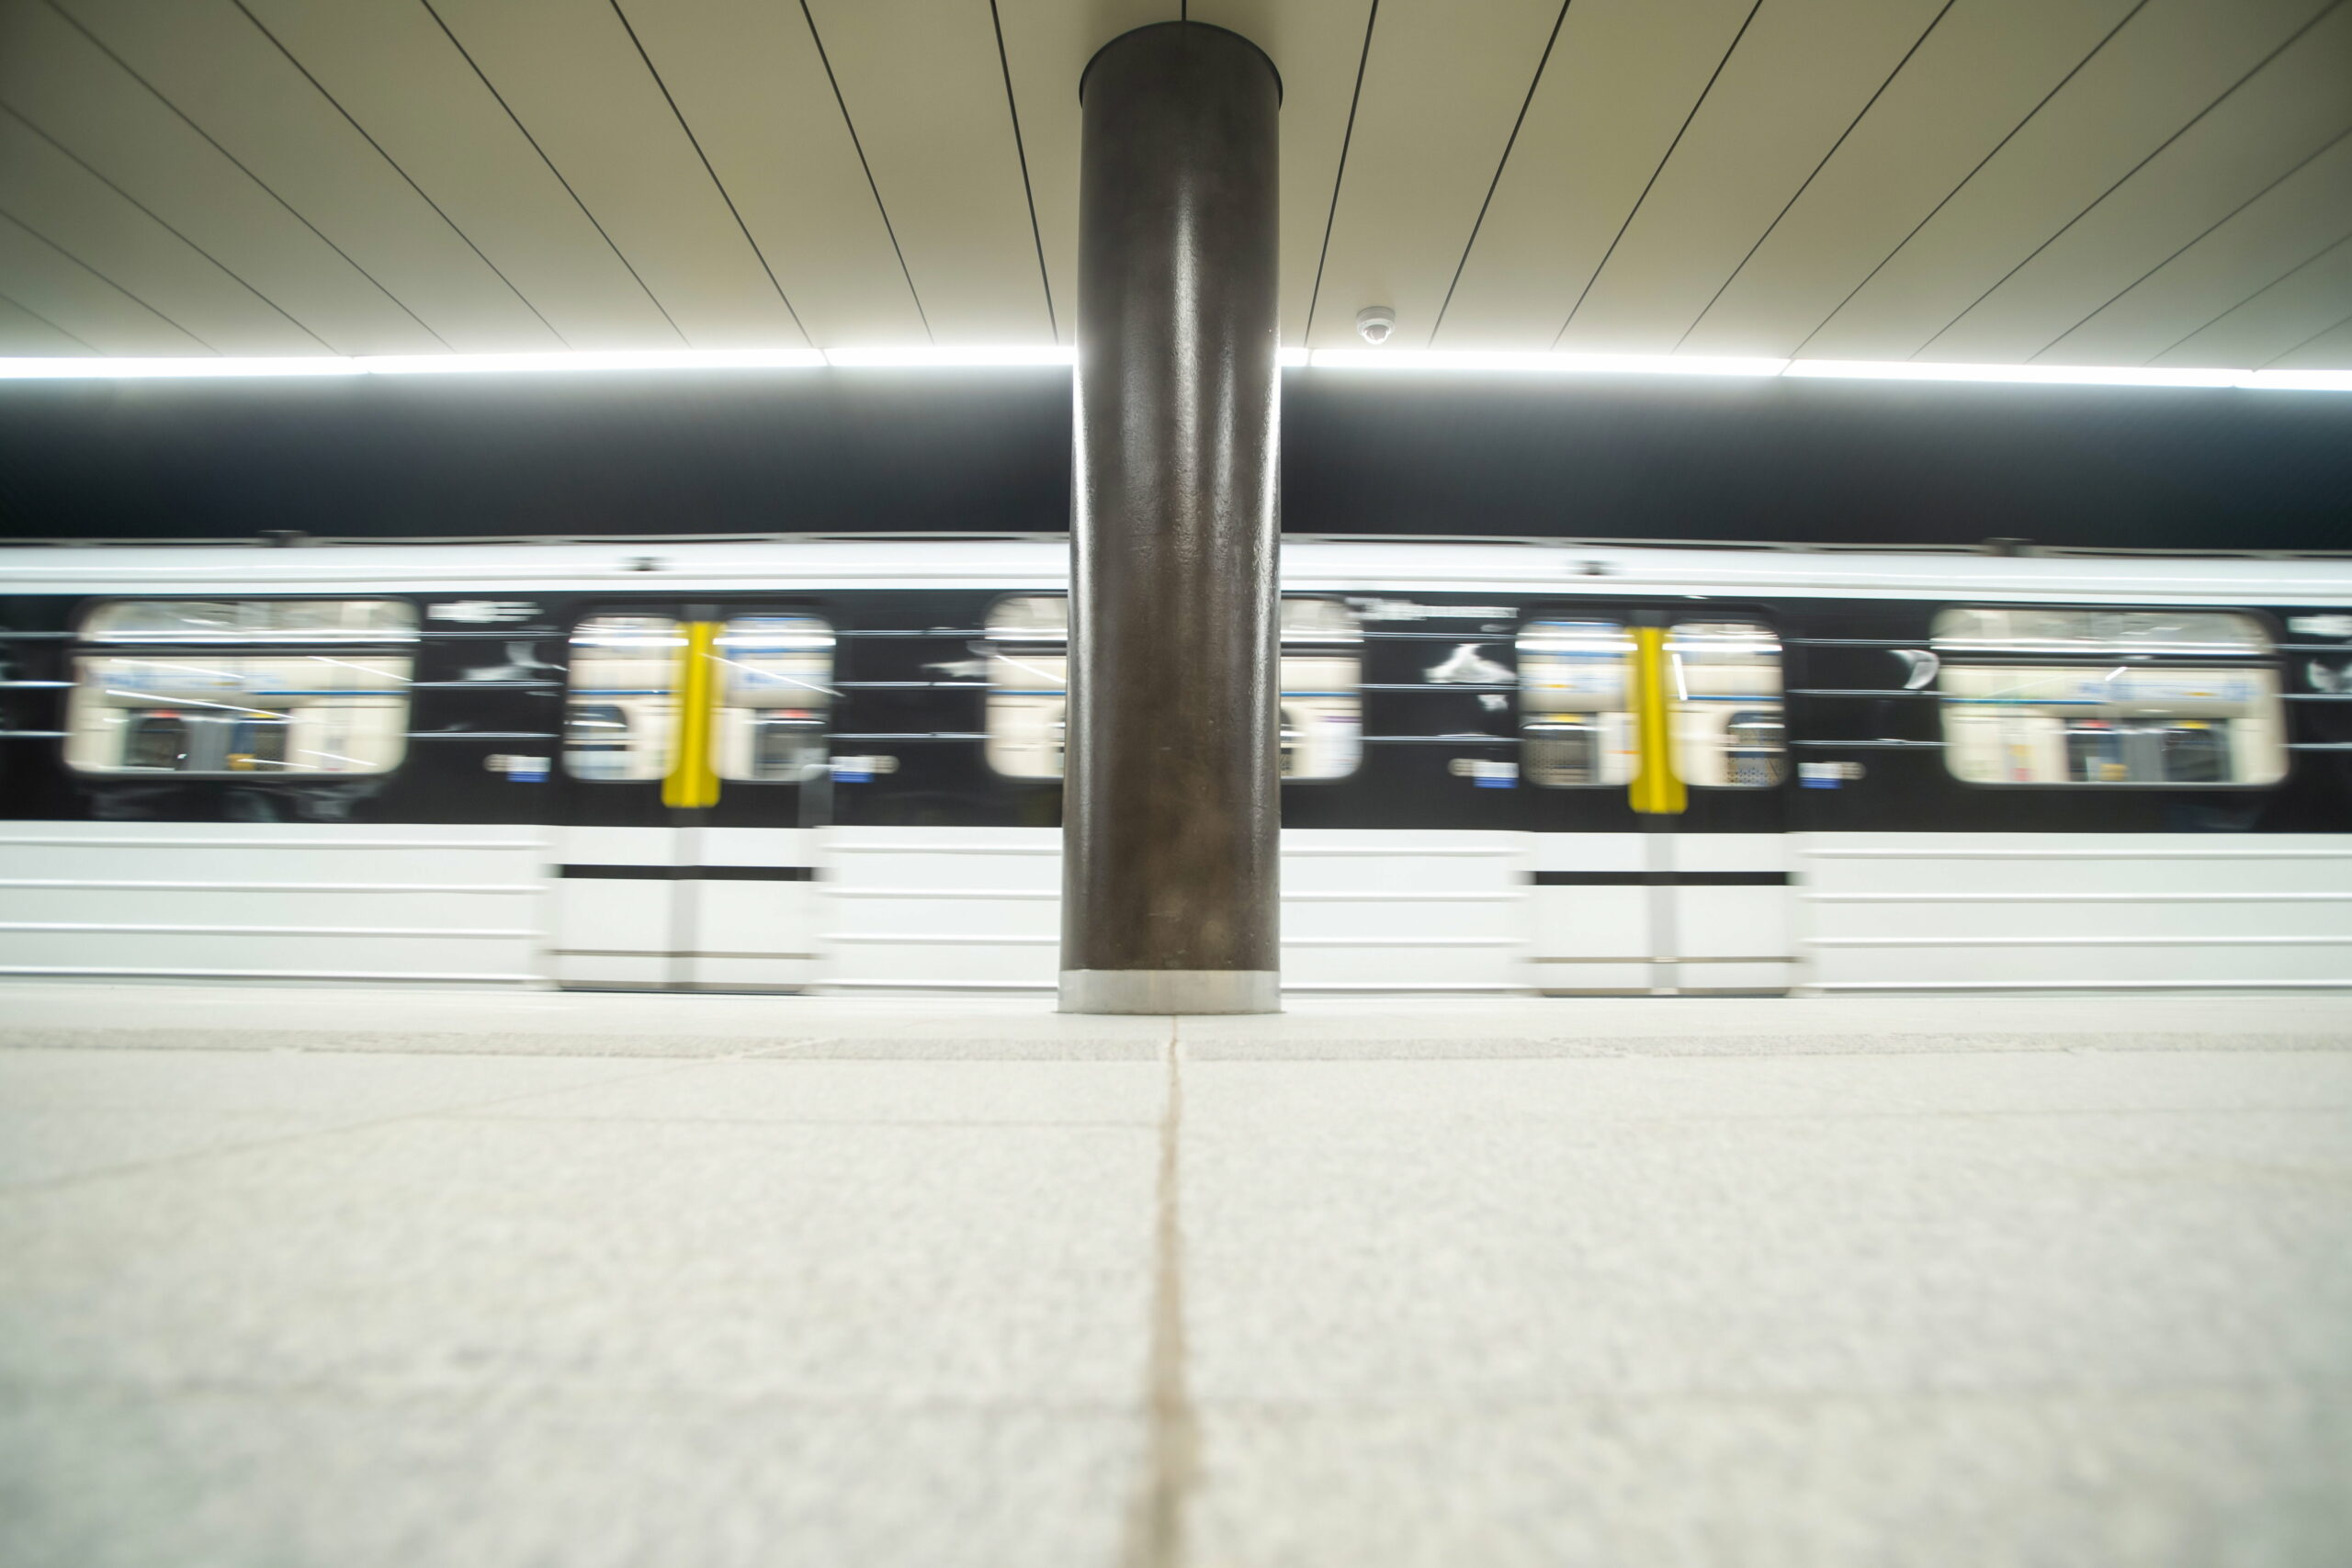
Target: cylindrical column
pixel 1172 807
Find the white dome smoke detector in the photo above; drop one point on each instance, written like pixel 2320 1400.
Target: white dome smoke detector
pixel 1374 323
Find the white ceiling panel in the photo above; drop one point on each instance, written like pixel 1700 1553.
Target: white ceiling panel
pixel 2278 322
pixel 22 332
pixel 2330 350
pixel 391 68
pixel 2263 131
pixel 1975 77
pixel 926 95
pixel 749 80
pixel 56 198
pixel 1046 46
pixel 1623 79
pixel 2115 181
pixel 1442 88
pixel 62 290
pixel 2299 217
pixel 2166 66
pixel 1798 78
pixel 214 66
pixel 60 82
pixel 569 72
pixel 1317 45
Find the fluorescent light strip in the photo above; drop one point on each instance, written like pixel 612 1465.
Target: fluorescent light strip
pixel 1827 370
pixel 2298 380
pixel 1385 361
pixel 2033 374
pixel 1542 364
pixel 947 358
pixel 96 366
pixel 589 361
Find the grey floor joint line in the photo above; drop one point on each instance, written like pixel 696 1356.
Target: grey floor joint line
pixel 1155 1524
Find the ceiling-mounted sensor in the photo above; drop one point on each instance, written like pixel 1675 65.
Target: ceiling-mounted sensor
pixel 1374 323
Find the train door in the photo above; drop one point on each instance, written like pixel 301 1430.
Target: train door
pixel 1654 741
pixel 695 775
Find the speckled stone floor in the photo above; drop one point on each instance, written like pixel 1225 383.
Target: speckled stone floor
pixel 363 1278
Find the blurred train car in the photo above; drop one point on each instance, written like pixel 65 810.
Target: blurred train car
pixel 778 765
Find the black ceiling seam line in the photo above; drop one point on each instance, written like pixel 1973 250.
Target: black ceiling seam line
pixel 60 332
pixel 2332 326
pixel 1036 235
pixel 2312 260
pixel 2041 104
pixel 264 185
pixel 2300 163
pixel 1500 163
pixel 859 148
pixel 1789 206
pixel 1339 176
pixel 21 118
pixel 500 98
pixel 2257 69
pixel 393 163
pixel 716 184
pixel 1635 210
pixel 102 278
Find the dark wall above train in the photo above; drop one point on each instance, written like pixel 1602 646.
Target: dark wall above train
pixel 826 451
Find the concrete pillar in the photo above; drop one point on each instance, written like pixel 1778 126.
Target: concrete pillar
pixel 1172 807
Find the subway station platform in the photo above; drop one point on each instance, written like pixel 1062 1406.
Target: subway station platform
pixel 306 1276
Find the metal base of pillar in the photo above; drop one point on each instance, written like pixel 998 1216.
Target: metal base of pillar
pixel 1172 990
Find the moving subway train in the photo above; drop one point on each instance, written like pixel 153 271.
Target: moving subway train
pixel 789 763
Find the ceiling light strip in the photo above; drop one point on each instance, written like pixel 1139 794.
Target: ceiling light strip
pixel 1827 370
pixel 1381 361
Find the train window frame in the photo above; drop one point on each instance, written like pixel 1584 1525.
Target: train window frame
pixel 650 743
pixel 1607 733
pixel 1330 698
pixel 648 703
pixel 737 730
pixel 1688 711
pixel 127 675
pixel 1024 712
pixel 1601 711
pixel 2241 644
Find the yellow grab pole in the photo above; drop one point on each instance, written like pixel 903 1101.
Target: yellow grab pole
pixel 692 781
pixel 1656 789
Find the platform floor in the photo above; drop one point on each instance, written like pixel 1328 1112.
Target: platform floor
pixel 294 1277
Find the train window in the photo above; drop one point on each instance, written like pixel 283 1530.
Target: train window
pixel 1755 753
pixel 1028 648
pixel 242 687
pixel 2102 751
pixel 236 622
pixel 1577 722
pixel 2195 751
pixel 623 708
pixel 154 742
pixel 2015 630
pixel 1321 698
pixel 596 740
pixel 2047 696
pixel 2095 752
pixel 1576 719
pixel 1724 687
pixel 775 693
pixel 257 741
